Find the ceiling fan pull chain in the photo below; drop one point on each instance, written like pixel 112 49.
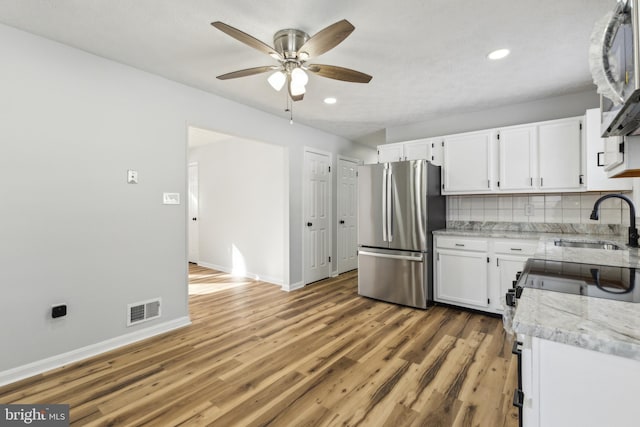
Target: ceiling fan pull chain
pixel 291 113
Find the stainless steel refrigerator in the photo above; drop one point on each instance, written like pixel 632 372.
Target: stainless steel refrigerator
pixel 399 205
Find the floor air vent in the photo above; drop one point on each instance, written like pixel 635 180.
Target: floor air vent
pixel 143 311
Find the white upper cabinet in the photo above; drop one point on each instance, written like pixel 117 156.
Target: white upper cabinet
pixel 516 157
pixel 597 179
pixel 542 157
pixel 390 153
pixel 466 163
pixel 560 155
pixel 419 149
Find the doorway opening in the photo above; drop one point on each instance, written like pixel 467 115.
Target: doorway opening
pixel 242 205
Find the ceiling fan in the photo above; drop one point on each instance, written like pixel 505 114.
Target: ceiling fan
pixel 292 49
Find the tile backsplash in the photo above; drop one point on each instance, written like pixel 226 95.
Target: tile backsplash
pixel 564 208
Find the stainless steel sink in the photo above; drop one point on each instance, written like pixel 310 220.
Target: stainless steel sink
pixel 593 244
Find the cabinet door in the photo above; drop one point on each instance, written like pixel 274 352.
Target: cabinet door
pixel 390 153
pixel 466 162
pixel 597 157
pixel 417 150
pixel 461 278
pixel 559 154
pixel 515 150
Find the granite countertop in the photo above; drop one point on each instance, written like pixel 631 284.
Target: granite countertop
pixel 597 324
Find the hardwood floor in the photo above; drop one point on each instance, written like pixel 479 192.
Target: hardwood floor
pixel 322 355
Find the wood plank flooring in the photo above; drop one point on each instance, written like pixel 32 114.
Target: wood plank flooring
pixel 319 356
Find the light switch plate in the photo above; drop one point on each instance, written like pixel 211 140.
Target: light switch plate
pixel 132 176
pixel 171 198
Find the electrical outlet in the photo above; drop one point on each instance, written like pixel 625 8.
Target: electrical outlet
pixel 58 311
pixel 529 210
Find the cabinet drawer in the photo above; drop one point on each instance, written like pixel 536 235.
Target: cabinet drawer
pixel 516 247
pixel 462 243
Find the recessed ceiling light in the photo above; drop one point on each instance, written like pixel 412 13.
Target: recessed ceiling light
pixel 330 100
pixel 498 54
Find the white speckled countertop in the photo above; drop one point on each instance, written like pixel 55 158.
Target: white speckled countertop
pixel 593 323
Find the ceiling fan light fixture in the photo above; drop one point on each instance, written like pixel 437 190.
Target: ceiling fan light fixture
pixel 498 54
pixel 299 77
pixel 277 80
pixel 303 56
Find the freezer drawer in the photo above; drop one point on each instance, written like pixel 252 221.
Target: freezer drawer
pixel 393 276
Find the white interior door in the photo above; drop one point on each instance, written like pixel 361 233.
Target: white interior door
pixel 193 213
pixel 317 211
pixel 347 215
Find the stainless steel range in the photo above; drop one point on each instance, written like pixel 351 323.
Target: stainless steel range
pixel 599 281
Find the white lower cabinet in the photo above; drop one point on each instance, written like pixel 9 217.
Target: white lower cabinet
pixel 476 272
pixel 461 278
pixel 566 386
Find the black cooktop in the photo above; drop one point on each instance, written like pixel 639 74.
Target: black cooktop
pixel 599 281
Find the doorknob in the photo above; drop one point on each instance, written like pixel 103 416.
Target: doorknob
pixel 309 224
pixel 342 221
pixel 194 219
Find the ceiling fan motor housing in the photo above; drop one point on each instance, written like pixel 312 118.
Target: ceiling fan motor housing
pixel 288 42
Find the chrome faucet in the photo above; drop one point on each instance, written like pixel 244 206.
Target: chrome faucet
pixel 633 231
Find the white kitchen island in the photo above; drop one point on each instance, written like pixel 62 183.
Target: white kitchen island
pixel 580 355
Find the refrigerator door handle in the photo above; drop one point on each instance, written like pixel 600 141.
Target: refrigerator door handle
pixel 385 202
pixel 390 206
pixel 401 257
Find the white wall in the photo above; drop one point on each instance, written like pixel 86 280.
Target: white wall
pixel 72 230
pixel 535 111
pixel 243 207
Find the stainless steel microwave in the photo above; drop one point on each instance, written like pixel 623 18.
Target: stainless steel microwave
pixel 616 52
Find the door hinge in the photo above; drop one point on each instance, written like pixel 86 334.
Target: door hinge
pixel 329 259
pixel 498 184
pixel 433 145
pixel 488 301
pixel 357 173
pixel 497 262
pixel 443 143
pixel 378 152
pixel 488 259
pixel 443 186
pixel 488 183
pixel 329 168
pixel 621 147
pixel 580 126
pixel 498 137
pixel 581 178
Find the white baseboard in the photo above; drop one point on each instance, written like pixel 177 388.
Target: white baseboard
pixel 254 276
pixel 40 366
pixel 293 286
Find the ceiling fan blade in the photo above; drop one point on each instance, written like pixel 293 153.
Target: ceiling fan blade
pixel 247 39
pixel 339 73
pixel 247 72
pixel 327 39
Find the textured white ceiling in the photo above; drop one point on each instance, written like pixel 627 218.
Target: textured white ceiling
pixel 427 57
